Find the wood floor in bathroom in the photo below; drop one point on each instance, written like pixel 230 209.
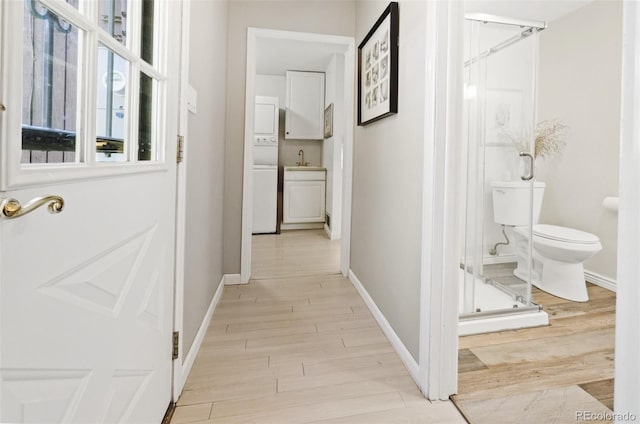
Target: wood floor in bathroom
pixel 542 375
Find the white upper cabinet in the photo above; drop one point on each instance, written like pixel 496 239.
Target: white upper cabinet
pixel 305 106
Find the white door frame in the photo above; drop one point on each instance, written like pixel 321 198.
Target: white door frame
pixel 253 34
pixel 627 350
pixel 438 361
pixel 181 369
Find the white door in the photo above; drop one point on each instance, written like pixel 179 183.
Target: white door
pixel 89 115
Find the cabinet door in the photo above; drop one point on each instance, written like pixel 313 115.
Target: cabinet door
pixel 305 106
pixel 303 201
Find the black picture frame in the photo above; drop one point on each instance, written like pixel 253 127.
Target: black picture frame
pixel 378 68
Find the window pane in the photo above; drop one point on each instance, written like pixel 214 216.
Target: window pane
pixel 112 80
pixel 113 18
pixel 145 124
pixel 146 47
pixel 50 81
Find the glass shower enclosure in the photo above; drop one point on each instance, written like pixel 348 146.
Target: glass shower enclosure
pixel 500 71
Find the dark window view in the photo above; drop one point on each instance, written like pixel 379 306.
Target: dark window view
pixel 146 47
pixel 50 83
pixel 145 130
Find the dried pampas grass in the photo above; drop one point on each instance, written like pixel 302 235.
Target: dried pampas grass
pixel 548 139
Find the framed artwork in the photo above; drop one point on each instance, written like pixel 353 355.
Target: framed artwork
pixel 378 68
pixel 328 121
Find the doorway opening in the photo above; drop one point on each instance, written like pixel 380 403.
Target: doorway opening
pixel 297 154
pixel 536 138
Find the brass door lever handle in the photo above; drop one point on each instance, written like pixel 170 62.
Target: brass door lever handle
pixel 11 208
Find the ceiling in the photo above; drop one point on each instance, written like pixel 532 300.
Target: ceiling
pixel 537 10
pixel 276 56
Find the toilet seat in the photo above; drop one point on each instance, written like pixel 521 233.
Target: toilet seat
pixel 564 234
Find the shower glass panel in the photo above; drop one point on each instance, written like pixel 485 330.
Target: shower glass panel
pixel 499 117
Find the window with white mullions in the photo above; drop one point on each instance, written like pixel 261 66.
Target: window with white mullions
pixel 126 83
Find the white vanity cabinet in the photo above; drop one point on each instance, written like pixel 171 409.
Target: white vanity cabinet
pixel 304 195
pixel 304 115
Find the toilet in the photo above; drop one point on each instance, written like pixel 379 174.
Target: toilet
pixel 558 252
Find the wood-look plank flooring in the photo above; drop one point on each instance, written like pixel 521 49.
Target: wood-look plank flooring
pixel 304 252
pixel 544 374
pixel 300 349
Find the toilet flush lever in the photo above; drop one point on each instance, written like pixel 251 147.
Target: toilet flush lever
pixel 529 176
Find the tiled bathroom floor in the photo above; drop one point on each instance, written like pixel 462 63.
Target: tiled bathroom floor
pixel 545 374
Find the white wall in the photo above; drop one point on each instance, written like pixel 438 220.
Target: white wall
pixel 387 183
pixel 580 83
pixel 323 17
pixel 205 155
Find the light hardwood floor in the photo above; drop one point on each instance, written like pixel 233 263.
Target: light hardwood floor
pixel 545 374
pixel 300 349
pixel 308 252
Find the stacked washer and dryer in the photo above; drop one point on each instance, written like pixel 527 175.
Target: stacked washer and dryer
pixel 265 165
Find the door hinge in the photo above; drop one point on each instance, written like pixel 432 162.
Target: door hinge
pixel 180 152
pixel 176 345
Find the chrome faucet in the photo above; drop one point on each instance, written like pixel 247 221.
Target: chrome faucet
pixel 301 156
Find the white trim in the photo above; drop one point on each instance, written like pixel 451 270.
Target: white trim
pixel 232 279
pixel 440 204
pixel 600 280
pixel 181 198
pixel 302 226
pixel 328 232
pixel 345 46
pixel 185 367
pixel 247 176
pixel 627 348
pixel 347 170
pixel 400 348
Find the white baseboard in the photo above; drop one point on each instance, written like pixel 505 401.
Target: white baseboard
pixel 232 279
pixel 197 342
pixel 333 235
pixel 600 280
pixel 395 341
pixel 302 226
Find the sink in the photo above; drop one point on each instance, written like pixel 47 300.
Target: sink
pixel 304 168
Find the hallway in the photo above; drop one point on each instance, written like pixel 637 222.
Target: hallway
pixel 300 349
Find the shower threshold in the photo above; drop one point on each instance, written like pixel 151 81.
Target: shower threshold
pixel 498 311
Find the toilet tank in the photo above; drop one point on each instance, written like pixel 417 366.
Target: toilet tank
pixel 511 201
